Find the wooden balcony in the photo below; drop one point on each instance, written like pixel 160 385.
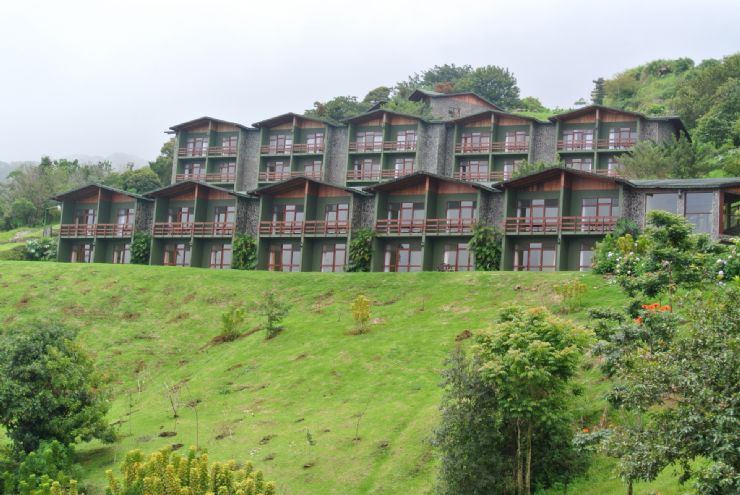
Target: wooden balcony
pixel 575 145
pixel 216 177
pixel 197 229
pixel 96 230
pixel 278 176
pixel 490 176
pixel 363 147
pixel 429 226
pixel 615 144
pixel 222 151
pixel 288 149
pixel 290 228
pixel 325 227
pixel 375 175
pixel 554 225
pixel 495 147
pixel 192 152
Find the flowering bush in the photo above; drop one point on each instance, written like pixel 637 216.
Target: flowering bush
pixel 727 265
pixel 44 249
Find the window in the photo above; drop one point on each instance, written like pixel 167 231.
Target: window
pixel 228 144
pixel 336 214
pixel 315 142
pixel 196 146
pixel 453 112
pixel 284 258
pixel 585 164
pixel 662 201
pixel 460 214
pixel 183 214
pixel 227 171
pixel 367 168
pixel 621 137
pixel 516 141
pixel 475 142
pixel 586 256
pixel 578 139
pixel 457 258
pixel 600 207
pixel 613 166
pixel 699 211
pixel 534 257
pixel 223 219
pixel 407 216
pixel 333 257
pixel 277 170
pixel 281 143
pixel 82 253
pixel 177 254
pixel 537 215
pixel 510 168
pixel 313 169
pixel 403 166
pixel 125 216
pixel 369 141
pixel 474 169
pixel 406 140
pixel 288 218
pixel 220 256
pixel 402 257
pixel 122 254
pixel 85 216
pixel 192 170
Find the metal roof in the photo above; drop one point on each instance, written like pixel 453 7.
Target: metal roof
pixel 290 183
pixel 185 185
pixel 390 184
pixel 189 123
pixel 84 191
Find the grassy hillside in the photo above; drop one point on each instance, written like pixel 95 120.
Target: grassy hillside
pixel 18 237
pixel 368 402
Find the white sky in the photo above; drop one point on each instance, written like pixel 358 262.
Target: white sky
pixel 99 77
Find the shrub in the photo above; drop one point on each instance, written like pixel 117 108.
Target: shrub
pixel 485 245
pixel 570 293
pixel 167 473
pixel 140 248
pixel 44 249
pixel 38 472
pixel 361 313
pixel 244 252
pixel 17 253
pixel 231 322
pixel 361 251
pixel 274 309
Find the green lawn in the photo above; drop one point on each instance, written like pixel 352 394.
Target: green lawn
pixel 150 327
pixel 23 234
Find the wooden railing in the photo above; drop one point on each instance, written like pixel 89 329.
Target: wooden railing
pixel 198 229
pixel 286 149
pixel 425 226
pixel 597 225
pixel 222 151
pixel 188 152
pixel 615 144
pixel 207 151
pixel 496 146
pixel 575 145
pixel 382 146
pixel 490 176
pixel 278 176
pixel 96 230
pixel 355 175
pixel 269 227
pixel 167 229
pixel 325 227
pixel 215 177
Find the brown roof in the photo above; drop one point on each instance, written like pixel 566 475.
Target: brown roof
pixel 416 176
pixel 191 123
pixel 187 185
pixel 288 117
pixel 291 183
pixel 85 191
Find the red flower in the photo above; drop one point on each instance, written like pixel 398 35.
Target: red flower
pixel 585 430
pixel 638 320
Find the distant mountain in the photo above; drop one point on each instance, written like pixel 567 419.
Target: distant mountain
pixel 118 160
pixel 5 169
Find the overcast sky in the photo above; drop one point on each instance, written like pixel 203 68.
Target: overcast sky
pixel 100 77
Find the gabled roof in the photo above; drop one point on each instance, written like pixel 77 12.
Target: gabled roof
pixel 288 117
pixel 709 183
pixel 291 183
pixel 414 177
pixel 675 120
pixel 367 115
pixel 85 191
pixel 174 189
pixel 421 94
pixel 553 172
pixel 487 113
pixel 199 120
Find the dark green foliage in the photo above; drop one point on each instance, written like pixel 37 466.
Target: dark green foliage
pixel 494 83
pixel 721 123
pixel 140 248
pixel 361 251
pixel 162 165
pixel 699 92
pixel 598 93
pixel 17 253
pixel 22 212
pixel 35 472
pixel 139 180
pixel 677 158
pixel 44 249
pixel 378 95
pixel 274 309
pixel 527 167
pixel 338 108
pixel 485 244
pixel 49 388
pixel 244 252
pixel 532 104
pixel 231 322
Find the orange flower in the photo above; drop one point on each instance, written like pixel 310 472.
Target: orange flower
pixel 585 430
pixel 638 320
pixel 665 308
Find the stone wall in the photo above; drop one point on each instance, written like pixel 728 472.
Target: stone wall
pixel 248 166
pixel 544 144
pixel 363 212
pixel 440 108
pixel 335 157
pixel 432 144
pixel 247 216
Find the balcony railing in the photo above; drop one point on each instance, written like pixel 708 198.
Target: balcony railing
pixel 325 227
pixel 278 176
pixel 382 146
pixel 490 176
pixel 616 144
pixel 287 149
pixel 575 145
pixel 496 147
pixel 190 152
pixel 96 230
pixel 588 224
pixel 360 175
pixel 215 177
pixel 425 226
pixel 167 229
pixel 269 227
pixel 197 229
pixel 207 151
pixel 222 151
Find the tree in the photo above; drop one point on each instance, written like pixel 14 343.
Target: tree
pixel 721 123
pixel 274 309
pixel 140 180
pixel 162 165
pixel 528 358
pixel 361 313
pixel 338 108
pixel 49 388
pixel 245 252
pixel 378 95
pixel 598 93
pixel 496 84
pixel 532 104
pixel 23 212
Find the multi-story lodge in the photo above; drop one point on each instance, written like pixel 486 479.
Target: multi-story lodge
pixel 303 186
